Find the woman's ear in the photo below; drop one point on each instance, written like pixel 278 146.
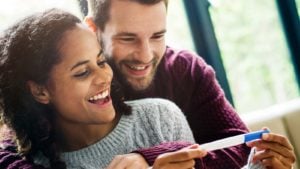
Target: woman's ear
pixel 39 92
pixel 88 20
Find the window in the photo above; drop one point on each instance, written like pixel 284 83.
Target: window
pixel 12 10
pixel 178 32
pixel 298 6
pixel 254 52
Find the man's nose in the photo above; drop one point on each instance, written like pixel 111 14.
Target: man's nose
pixel 145 52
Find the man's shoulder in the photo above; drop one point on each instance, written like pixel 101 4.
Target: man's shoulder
pixel 183 65
pixel 150 103
pixel 182 58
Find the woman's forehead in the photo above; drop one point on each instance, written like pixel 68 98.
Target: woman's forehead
pixel 79 42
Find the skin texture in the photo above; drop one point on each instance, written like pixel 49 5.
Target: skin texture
pixel 80 75
pixel 181 159
pixel 134 44
pixel 128 161
pixel 134 37
pixel 274 151
pixel 144 50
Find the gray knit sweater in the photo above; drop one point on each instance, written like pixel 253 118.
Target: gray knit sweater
pixel 152 121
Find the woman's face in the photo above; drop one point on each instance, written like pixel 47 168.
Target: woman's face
pixel 79 85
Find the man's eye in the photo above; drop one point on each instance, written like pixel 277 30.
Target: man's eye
pixel 102 63
pixel 158 36
pixel 127 39
pixel 82 74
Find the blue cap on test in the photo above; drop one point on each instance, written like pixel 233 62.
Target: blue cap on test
pixel 255 135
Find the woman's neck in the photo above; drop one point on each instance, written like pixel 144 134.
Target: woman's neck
pixel 75 137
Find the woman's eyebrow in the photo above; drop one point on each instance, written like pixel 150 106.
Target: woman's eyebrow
pixel 86 61
pixel 79 63
pixel 100 53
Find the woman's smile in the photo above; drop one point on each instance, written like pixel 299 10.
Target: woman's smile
pixel 101 99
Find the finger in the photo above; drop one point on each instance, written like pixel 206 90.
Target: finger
pixel 193 146
pixel 136 165
pixel 273 157
pixel 275 163
pixel 115 163
pixel 127 161
pixel 277 138
pixel 274 146
pixel 176 165
pixel 183 155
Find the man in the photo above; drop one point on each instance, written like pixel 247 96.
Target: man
pixel 132 33
pixel 133 37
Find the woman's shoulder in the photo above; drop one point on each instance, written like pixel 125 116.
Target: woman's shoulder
pixel 155 108
pixel 152 103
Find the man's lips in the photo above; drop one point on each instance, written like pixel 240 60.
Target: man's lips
pixel 138 70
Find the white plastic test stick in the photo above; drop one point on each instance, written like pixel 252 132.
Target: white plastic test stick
pixel 233 141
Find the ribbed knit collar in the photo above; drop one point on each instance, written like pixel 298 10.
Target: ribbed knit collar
pixel 111 143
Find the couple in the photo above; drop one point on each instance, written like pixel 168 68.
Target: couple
pixel 201 101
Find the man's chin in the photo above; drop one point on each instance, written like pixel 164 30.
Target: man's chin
pixel 139 85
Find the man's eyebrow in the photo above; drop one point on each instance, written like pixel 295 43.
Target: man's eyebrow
pixel 133 34
pixel 79 63
pixel 125 34
pixel 160 32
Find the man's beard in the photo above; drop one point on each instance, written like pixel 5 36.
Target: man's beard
pixel 136 85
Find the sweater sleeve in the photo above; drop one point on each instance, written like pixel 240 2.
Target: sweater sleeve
pixel 217 119
pixel 150 154
pixel 173 122
pixel 210 115
pixel 9 159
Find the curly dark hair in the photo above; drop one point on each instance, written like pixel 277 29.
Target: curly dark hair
pixel 28 51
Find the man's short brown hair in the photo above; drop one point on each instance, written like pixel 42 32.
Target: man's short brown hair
pixel 99 9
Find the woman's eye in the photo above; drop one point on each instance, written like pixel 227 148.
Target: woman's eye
pixel 82 74
pixel 102 63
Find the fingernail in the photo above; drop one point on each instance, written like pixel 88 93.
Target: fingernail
pixel 194 146
pixel 265 136
pixel 249 144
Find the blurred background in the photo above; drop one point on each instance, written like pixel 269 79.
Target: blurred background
pixel 250 44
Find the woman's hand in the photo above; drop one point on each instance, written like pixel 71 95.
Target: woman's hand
pixel 274 151
pixel 128 161
pixel 181 159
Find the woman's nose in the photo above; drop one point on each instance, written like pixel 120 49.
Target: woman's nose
pixel 103 76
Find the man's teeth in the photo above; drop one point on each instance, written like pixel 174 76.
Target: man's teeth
pixel 100 95
pixel 138 67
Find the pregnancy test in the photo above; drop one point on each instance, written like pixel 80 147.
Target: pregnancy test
pixel 233 141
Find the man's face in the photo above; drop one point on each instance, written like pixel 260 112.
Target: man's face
pixel 134 41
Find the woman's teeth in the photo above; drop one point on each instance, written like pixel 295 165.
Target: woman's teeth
pixel 99 96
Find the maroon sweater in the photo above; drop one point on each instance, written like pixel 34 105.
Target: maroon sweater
pixel 188 81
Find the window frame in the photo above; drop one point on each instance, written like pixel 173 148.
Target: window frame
pixel 206 43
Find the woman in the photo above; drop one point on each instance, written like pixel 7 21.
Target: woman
pixel 57 97
pixel 55 94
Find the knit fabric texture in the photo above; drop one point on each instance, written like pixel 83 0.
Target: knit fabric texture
pixel 152 121
pixel 187 80
pixel 184 78
pixel 150 154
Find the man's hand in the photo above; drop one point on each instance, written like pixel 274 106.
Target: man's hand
pixel 128 161
pixel 274 151
pixel 181 159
